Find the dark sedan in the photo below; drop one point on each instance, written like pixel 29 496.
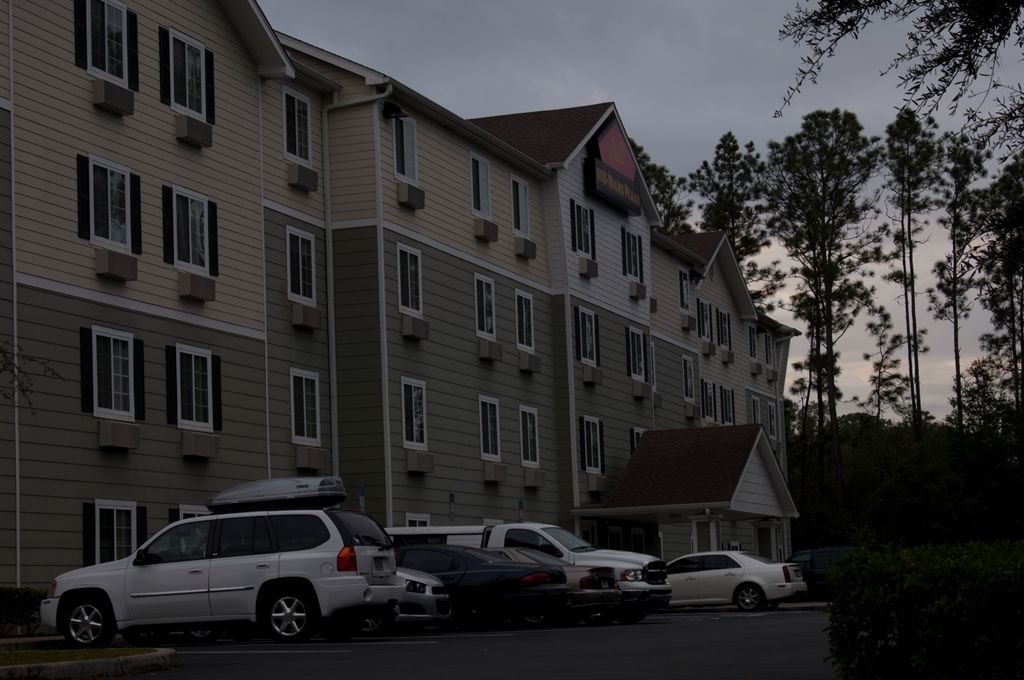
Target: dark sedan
pixel 485 587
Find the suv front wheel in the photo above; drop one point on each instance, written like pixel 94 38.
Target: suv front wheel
pixel 290 614
pixel 89 623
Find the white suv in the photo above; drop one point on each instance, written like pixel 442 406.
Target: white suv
pixel 286 567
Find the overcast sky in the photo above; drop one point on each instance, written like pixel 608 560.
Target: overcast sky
pixel 680 72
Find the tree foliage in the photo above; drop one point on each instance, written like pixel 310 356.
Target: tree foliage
pixel 668 192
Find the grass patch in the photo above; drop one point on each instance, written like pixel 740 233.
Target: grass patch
pixel 21 657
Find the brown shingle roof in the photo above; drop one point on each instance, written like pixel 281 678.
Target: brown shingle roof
pixel 701 243
pixel 545 136
pixel 681 467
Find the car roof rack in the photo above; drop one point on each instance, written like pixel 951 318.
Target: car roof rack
pixel 280 494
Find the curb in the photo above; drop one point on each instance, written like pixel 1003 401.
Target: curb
pixel 160 660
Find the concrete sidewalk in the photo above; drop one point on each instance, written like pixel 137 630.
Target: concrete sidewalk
pixel 157 660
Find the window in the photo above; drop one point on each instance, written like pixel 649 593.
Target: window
pixel 684 288
pixel 773 426
pixel 632 255
pixel 182 543
pixel 752 341
pixel 615 538
pixel 708 406
pixel 188 74
pixel 296 127
pixel 520 206
pixel 410 280
pixel 243 536
pixel 110 208
pixel 195 388
pixel 190 511
pixel 405 149
pixel 703 537
pixel 528 436
pixel 688 378
pixel 727 397
pixel 108 51
pixel 490 445
pixel 638 541
pixel 113 373
pixel 191 240
pixel 115 530
pixel 301 266
pixel 417 519
pixel 582 229
pixel 724 327
pixel 636 354
pixel 634 437
pixel 524 321
pixel 591 444
pixel 414 413
pixel 769 355
pixel 586 337
pixel 305 407
pixel 299 532
pixel 484 306
pixel 480 178
pixel 704 320
pixel 755 410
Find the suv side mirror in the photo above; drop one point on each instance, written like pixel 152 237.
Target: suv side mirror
pixel 144 557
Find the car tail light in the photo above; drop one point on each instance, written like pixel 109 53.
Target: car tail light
pixel 347 559
pixel 536 578
pixel 785 574
pixel 53 588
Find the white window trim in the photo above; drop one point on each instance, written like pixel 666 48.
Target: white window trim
pixel 477 278
pixel 755 410
pixel 419 279
pixel 635 433
pixel 185 423
pixel 727 396
pixel 418 446
pixel 693 375
pixel 524 206
pixel 522 444
pixel 299 97
pixel 125 247
pixel 411 517
pixel 720 315
pixel 192 196
pixel 485 188
pixel 111 414
pixel 713 416
pixel 481 400
pixel 769 358
pixel 579 230
pixel 684 292
pixel 752 347
pixel 531 347
pixel 633 333
pixel 713 533
pixel 596 422
pixel 194 510
pixel 106 504
pixel 289 232
pixel 583 358
pixel 98 72
pixel 708 327
pixel 412 179
pixel 638 240
pixel 773 423
pixel 171 36
pixel 306 375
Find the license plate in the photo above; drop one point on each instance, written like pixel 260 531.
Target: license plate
pixel 380 565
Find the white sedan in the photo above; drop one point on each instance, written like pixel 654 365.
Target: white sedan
pixel 749 581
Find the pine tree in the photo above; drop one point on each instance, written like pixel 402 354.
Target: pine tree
pixel 667 190
pixel 888 385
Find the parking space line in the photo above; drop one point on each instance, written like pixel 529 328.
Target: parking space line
pixel 392 642
pixel 268 651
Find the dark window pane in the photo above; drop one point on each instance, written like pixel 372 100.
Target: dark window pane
pixel 299 532
pixel 182 543
pixel 236 536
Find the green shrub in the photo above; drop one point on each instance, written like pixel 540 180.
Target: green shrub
pixel 931 612
pixel 19 607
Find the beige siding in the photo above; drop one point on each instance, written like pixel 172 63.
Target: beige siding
pixel 352 164
pixel 56 121
pixel 756 494
pixel 5 51
pixel 275 165
pixel 665 289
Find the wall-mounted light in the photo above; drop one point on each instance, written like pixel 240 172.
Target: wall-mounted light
pixel 392 110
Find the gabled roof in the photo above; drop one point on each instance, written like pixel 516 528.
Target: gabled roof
pixel 704 249
pixel 704 244
pixel 259 38
pixel 546 136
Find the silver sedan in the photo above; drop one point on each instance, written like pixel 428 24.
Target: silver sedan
pixel 424 602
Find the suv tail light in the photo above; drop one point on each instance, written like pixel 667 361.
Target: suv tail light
pixel 347 559
pixel 785 574
pixel 536 578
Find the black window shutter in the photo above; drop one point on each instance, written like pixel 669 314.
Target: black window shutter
pixel 141 526
pixel 84 195
pixel 600 443
pixel 647 375
pixel 625 267
pixel 211 235
pixel 210 105
pixel 88 534
pixel 629 352
pixel 165 65
pixel 132 25
pixel 572 223
pixel 218 413
pixel 139 378
pixel 168 209
pixel 597 340
pixel 583 442
pixel 593 238
pixel 173 515
pixel 577 326
pixel 682 288
pixel 640 256
pixel 81 40
pixel 136 218
pixel 85 352
pixel 171 355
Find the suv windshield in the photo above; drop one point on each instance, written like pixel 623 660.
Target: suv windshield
pixel 359 529
pixel 568 539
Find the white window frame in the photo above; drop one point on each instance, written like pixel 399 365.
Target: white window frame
pixel 410 157
pixel 302 236
pixel 714 531
pixel 635 433
pixel 125 247
pixel 480 322
pixel 113 505
pixel 414 384
pixel 752 341
pixel 773 423
pixel 305 375
pixel 688 385
pixel 705 319
pixel 769 351
pixel 111 413
pixel 95 70
pixel 187 423
pixel 637 340
pixel 173 35
pixel 755 410
pixel 190 511
pixel 410 253
pixel 582 227
pixel 723 321
pixel 306 160
pixel 633 255
pixel 486 454
pixel 520 199
pixel 708 387
pixel 192 196
pixel 531 412
pixel 417 519
pixel 727 396
pixel 684 288
pixel 485 184
pixel 587 332
pixel 592 444
pixel 531 344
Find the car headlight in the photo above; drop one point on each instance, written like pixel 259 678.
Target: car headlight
pixel 415 587
pixel 631 575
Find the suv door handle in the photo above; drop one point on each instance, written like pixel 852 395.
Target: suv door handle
pixel 195 571
pixel 263 565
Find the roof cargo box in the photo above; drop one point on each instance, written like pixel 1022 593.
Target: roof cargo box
pixel 286 492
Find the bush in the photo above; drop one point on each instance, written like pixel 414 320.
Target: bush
pixel 931 612
pixel 19 607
